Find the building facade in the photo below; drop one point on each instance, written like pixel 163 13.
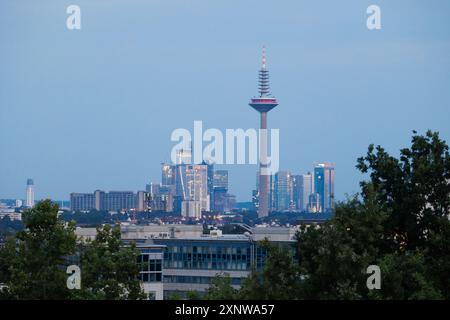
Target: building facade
pixel 108 201
pixel 190 264
pixel 324 185
pixel 283 191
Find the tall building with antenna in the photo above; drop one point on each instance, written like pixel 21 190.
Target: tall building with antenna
pixel 263 104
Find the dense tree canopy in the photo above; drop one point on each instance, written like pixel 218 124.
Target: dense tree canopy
pixel 400 223
pixel 32 263
pixel 110 270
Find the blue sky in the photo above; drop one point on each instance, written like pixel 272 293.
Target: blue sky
pixel 94 108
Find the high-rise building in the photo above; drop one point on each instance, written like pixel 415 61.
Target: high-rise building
pixel 82 201
pixel 30 193
pixel 109 201
pixel 19 203
pixel 159 197
pixel 220 199
pixel 263 104
pixel 304 187
pixel 119 201
pixel 283 190
pixel 210 181
pixel 314 203
pixel 99 197
pixel 221 179
pixel 324 185
pixel 167 174
pixel 191 209
pixel 183 156
pixel 141 201
pixel 192 185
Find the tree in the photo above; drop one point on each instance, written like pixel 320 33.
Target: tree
pixel 416 189
pixel 109 269
pixel 193 295
pixel 221 288
pixel 401 224
pixel 33 264
pixel 405 276
pixel 279 278
pixel 333 258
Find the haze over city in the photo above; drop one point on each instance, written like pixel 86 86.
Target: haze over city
pixel 94 109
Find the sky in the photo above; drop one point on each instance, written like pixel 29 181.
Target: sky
pixel 94 108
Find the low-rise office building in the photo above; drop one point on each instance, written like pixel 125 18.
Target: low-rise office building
pixel 190 264
pixel 177 259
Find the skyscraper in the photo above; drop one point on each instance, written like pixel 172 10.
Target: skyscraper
pixel 183 156
pixel 283 190
pixel 221 179
pixel 82 201
pixel 167 174
pixel 192 185
pixel 263 104
pixel 304 188
pixel 30 193
pixel 324 185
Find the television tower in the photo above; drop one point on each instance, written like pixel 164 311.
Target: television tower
pixel 263 104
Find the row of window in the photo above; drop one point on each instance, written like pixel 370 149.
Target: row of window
pixel 196 280
pixel 147 264
pixel 206 256
pixel 207 265
pixel 151 276
pixel 209 249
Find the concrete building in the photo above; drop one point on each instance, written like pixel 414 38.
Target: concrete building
pixel 160 231
pixel 109 201
pixel 10 213
pixel 151 275
pixel 190 264
pixel 86 233
pixel 180 258
pixel 141 203
pixel 82 201
pixel 191 209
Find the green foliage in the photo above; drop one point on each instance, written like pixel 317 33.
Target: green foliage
pixel 174 296
pixel 220 288
pixel 414 187
pixel 401 224
pixel 279 278
pixel 33 263
pixel 405 277
pixel 333 258
pixel 193 295
pixel 109 269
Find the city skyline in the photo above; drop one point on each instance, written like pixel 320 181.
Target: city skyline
pixel 112 109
